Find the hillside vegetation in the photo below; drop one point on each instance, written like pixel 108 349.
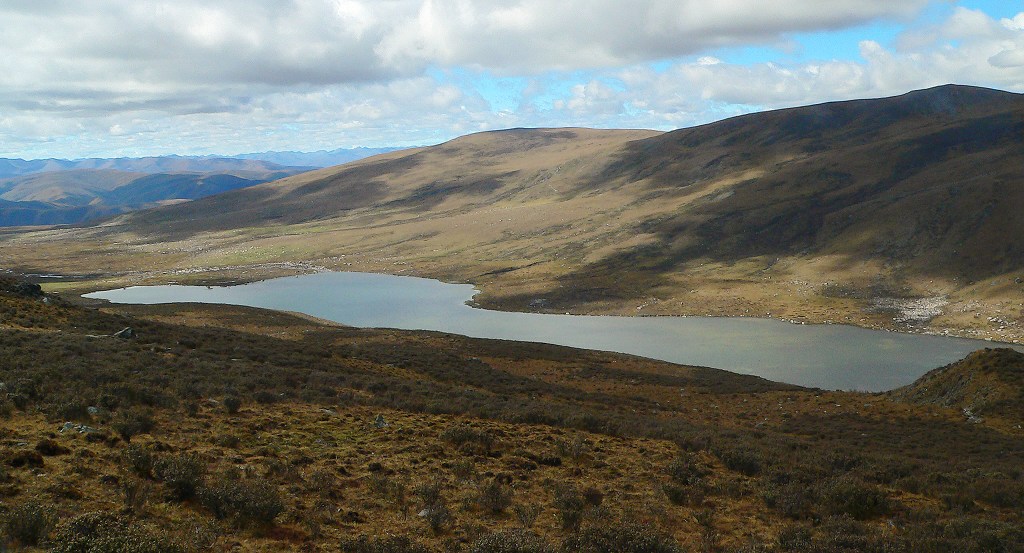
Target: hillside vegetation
pixel 77 195
pixel 891 213
pixel 988 383
pixel 214 428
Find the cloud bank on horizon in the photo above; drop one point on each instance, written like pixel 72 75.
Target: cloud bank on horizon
pixel 121 78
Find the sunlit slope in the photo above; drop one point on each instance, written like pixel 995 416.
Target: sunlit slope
pixel 932 179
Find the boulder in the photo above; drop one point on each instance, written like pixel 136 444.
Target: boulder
pixel 125 333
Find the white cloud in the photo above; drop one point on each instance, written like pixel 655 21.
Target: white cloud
pixel 967 48
pixel 108 77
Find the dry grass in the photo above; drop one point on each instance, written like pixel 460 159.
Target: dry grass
pixel 710 459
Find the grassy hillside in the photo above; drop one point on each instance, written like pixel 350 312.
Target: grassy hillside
pixel 988 383
pixel 891 213
pixel 214 428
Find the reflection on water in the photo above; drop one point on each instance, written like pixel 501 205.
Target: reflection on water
pixel 824 356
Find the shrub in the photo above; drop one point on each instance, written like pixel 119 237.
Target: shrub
pixel 25 458
pixel 792 499
pixel 29 523
pixel 853 497
pixel 429 493
pixel 248 503
pixel 102 532
pixel 394 490
pixel 6 408
pixel 324 483
pixel 794 537
pixel 464 469
pixel 462 434
pixel 266 397
pixel 511 541
pixel 494 497
pixel 743 460
pixel 232 404
pixel 842 534
pixel 593 496
pixel 136 494
pixel 435 508
pixel 138 460
pixel 620 538
pixel 438 515
pixel 50 448
pixel 387 544
pixel 685 470
pixel 133 422
pixel 182 474
pixel 527 514
pixel 73 410
pixel 574 449
pixel 569 503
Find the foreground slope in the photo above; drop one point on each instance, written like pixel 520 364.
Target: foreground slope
pixel 888 212
pixel 988 383
pixel 216 428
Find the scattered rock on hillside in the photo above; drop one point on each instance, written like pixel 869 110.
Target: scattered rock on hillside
pixel 125 333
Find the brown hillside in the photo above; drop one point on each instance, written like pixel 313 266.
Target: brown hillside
pixel 222 428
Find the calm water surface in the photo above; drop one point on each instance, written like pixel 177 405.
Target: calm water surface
pixel 824 356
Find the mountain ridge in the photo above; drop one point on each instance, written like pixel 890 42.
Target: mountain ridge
pixel 839 212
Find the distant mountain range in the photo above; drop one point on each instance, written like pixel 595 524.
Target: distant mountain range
pixel 322 158
pixel 58 191
pixel 262 161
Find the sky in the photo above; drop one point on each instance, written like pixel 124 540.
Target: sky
pixel 109 78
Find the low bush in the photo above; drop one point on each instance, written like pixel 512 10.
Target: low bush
pixel 182 474
pixel 686 470
pixel 386 544
pixel 570 504
pixel 511 541
pixel 136 493
pixel 792 499
pixel 494 496
pixel 620 538
pixel 462 434
pixel 266 397
pixel 249 504
pixel 435 507
pixel 232 404
pixel 103 532
pixel 30 523
pixel 744 460
pixel 593 496
pixel 526 514
pixel 133 422
pixel 138 460
pixel 72 410
pixel 855 498
pixel 51 448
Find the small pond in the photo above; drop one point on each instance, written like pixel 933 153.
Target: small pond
pixel 823 356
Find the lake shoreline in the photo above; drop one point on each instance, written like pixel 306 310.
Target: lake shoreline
pixel 485 299
pixel 827 356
